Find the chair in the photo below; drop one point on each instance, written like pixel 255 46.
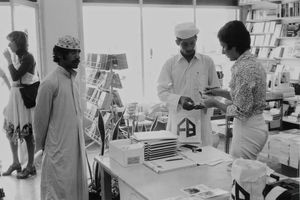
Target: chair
pixel 154 123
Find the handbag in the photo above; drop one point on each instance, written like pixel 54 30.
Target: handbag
pixel 29 93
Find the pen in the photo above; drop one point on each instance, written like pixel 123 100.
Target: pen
pixel 173 159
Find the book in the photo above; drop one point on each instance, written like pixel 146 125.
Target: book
pixel 267 40
pixel 116 81
pixel 104 79
pixel 170 164
pixel 116 99
pixel 259 40
pixel 287 51
pixel 105 100
pixel 258 27
pixel 252 39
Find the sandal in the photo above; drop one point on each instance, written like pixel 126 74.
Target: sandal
pixel 12 168
pixel 27 172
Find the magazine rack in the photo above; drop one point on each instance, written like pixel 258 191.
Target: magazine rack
pixel 102 95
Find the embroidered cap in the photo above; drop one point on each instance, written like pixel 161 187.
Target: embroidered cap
pixel 185 30
pixel 68 42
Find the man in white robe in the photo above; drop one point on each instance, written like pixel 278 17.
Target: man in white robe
pixel 58 127
pixel 181 83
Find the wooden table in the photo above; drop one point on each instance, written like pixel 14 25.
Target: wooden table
pixel 140 182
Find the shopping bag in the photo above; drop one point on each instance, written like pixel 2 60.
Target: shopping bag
pixel 248 179
pixel 186 125
pixel 29 93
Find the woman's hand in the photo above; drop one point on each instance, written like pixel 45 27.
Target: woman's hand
pixel 209 102
pixel 7 56
pixel 213 91
pixel 2 74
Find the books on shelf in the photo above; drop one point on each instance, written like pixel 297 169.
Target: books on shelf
pixel 258 27
pixel 259 40
pixel 267 40
pixel 112 61
pixel 107 61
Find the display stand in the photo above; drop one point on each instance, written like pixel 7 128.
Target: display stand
pixel 102 96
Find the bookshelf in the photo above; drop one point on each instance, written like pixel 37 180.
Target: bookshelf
pixel 274 27
pixel 102 85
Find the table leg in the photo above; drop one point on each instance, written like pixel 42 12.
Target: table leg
pixel 105 185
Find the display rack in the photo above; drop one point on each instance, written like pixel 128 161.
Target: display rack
pixel 102 95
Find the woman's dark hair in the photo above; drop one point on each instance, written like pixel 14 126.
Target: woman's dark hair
pixel 235 34
pixel 20 38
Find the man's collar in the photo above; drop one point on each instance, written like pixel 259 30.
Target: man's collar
pixel 180 56
pixel 69 73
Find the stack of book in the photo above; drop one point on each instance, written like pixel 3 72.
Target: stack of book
pixel 157 144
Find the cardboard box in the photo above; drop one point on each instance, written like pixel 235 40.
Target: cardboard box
pixel 126 153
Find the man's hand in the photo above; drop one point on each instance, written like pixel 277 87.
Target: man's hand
pixel 187 103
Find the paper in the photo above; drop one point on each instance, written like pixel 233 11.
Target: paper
pixel 183 198
pixel 209 155
pixel 169 164
pixel 203 192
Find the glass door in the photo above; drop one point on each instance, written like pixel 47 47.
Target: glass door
pixel 159 41
pixel 24 18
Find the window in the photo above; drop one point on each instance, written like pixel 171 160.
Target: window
pixel 114 30
pixel 103 34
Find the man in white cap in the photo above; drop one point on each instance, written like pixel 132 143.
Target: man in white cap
pixel 181 82
pixel 58 127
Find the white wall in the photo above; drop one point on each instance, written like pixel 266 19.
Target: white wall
pixel 59 18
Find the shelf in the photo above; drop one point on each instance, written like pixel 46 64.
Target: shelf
pixel 262 46
pixel 288 38
pixel 261 33
pixel 278 59
pixel 264 19
pixel 268 59
pixel 260 5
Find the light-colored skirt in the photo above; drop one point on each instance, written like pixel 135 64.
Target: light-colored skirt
pixel 249 137
pixel 17 118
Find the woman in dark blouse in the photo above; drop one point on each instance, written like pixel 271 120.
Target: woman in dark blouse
pixel 247 92
pixel 18 118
